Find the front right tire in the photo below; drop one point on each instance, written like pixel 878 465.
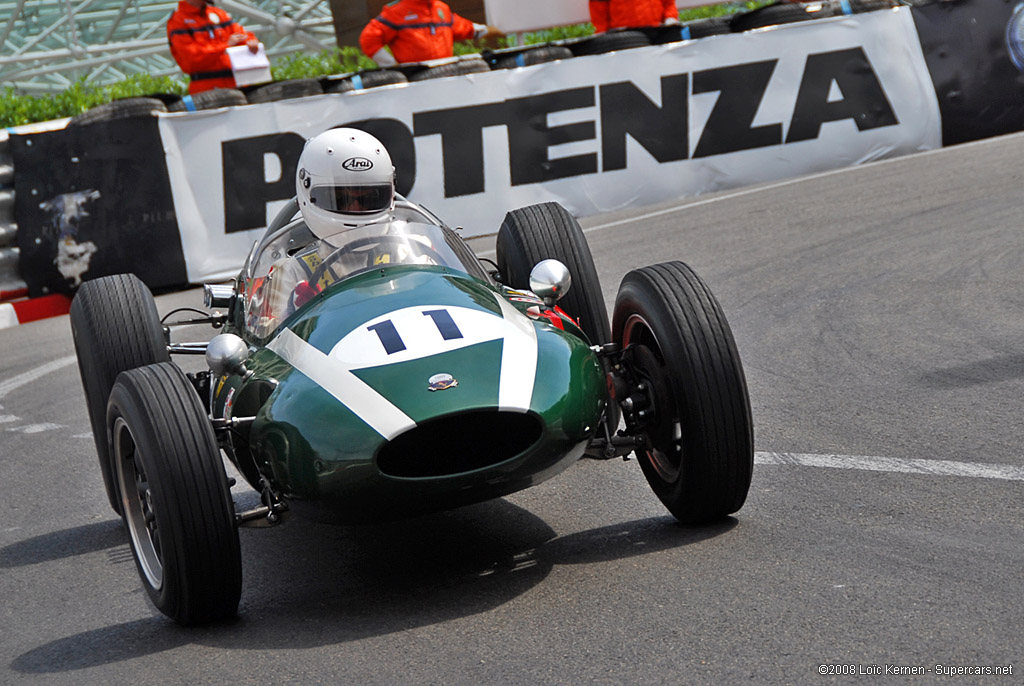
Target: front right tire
pixel 682 361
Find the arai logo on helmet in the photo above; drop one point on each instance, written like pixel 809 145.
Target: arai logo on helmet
pixel 1015 37
pixel 357 164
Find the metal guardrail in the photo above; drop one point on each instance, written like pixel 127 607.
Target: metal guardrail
pixel 10 278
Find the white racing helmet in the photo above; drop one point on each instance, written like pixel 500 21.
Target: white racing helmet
pixel 345 179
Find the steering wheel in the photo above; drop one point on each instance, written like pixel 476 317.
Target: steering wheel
pixel 384 240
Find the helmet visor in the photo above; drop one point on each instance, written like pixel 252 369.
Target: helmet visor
pixel 352 199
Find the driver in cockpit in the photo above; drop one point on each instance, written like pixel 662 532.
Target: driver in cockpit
pixel 345 180
pixel 345 191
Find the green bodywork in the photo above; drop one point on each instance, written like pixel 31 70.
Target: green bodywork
pixel 325 458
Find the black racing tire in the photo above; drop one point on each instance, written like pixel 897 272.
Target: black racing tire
pixel 699 452
pixel 601 43
pixel 176 499
pixel 538 232
pixel 126 108
pixel 468 65
pixel 284 90
pixel 116 327
pixel 531 56
pixel 702 28
pixel 779 13
pixel 210 100
pixel 364 80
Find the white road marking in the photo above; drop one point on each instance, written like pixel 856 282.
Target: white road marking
pixel 894 464
pixel 35 428
pixel 33 374
pixel 8 418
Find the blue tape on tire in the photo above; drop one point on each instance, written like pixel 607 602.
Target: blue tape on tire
pixel 189 105
pixel 685 34
pixel 845 4
pixel 520 60
pixel 357 81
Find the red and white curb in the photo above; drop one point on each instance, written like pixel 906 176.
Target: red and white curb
pixel 30 310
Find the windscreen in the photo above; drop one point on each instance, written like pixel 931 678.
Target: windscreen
pixel 283 277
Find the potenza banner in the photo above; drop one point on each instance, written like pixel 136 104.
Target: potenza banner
pixel 596 133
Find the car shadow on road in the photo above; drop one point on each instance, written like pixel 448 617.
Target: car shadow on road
pixel 58 545
pixel 992 370
pixel 309 585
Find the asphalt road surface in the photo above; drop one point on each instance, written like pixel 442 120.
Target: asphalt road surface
pixel 879 312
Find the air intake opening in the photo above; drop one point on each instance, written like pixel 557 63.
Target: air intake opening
pixel 459 443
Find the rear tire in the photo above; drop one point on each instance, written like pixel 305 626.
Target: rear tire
pixel 116 327
pixel 175 496
pixel 538 232
pixel 699 453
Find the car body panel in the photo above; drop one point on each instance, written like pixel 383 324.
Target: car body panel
pixel 411 388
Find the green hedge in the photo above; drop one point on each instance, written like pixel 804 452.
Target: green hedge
pixel 17 109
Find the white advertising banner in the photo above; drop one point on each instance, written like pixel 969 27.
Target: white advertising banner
pixel 596 133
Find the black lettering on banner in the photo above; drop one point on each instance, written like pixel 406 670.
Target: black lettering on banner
pixel 246 189
pixel 388 335
pixel 864 101
pixel 530 136
pixel 662 131
pixel 462 143
pixel 398 141
pixel 742 87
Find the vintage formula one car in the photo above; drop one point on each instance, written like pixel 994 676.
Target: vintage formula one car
pixel 396 376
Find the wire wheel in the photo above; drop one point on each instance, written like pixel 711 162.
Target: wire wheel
pixel 137 503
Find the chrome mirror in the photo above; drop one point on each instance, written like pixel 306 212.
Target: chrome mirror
pixel 550 280
pixel 226 354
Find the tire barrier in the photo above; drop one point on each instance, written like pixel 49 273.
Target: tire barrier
pixel 471 64
pixel 11 284
pixel 209 100
pixel 125 108
pixel 284 90
pixel 613 40
pixel 528 56
pixel 702 28
pixel 371 78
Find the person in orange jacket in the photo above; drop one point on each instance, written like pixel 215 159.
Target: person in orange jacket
pixel 416 31
pixel 199 34
pixel 614 14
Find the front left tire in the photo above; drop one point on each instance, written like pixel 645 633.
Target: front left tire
pixel 175 496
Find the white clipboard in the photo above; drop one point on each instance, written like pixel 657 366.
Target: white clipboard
pixel 249 67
